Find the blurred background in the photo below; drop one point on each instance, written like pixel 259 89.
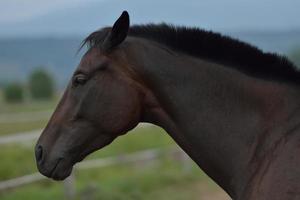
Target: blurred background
pixel 38 44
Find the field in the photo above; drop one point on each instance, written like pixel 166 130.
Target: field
pixel 165 178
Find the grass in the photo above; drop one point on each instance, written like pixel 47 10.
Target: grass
pixel 137 182
pixel 44 190
pixel 165 180
pixel 16 160
pixel 7 128
pixel 161 180
pixel 136 140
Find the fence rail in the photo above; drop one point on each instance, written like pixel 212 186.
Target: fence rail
pixel 25 116
pixel 20 137
pixel 69 183
pixel 23 180
pixel 140 156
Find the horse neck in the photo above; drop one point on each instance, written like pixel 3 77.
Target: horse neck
pixel 214 113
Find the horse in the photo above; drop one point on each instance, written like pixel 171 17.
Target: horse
pixel 234 109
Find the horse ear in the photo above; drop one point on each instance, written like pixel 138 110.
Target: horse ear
pixel 118 32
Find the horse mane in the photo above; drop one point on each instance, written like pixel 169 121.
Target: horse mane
pixel 213 47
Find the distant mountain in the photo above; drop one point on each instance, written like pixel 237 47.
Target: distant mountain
pixel 18 57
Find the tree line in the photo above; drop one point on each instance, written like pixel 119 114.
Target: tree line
pixel 39 86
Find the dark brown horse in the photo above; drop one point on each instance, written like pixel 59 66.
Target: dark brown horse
pixel 234 109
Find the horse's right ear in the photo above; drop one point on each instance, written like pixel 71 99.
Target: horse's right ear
pixel 118 32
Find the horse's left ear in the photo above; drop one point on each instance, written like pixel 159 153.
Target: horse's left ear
pixel 118 32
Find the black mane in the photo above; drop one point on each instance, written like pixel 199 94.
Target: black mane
pixel 214 47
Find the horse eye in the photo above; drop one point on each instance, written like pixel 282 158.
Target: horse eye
pixel 79 79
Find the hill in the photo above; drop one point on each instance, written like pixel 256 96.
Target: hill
pixel 18 57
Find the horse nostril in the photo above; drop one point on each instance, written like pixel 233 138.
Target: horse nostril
pixel 39 153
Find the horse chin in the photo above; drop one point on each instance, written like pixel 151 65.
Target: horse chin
pixel 61 170
pixel 64 168
pixel 61 174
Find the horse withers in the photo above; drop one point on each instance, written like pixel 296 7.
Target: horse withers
pixel 231 107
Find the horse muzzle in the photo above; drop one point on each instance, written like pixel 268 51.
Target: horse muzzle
pixel 57 168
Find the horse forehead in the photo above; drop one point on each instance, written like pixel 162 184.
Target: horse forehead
pixel 92 59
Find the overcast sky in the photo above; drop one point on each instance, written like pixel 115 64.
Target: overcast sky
pixel 32 18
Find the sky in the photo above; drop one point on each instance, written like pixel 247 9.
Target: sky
pixel 38 18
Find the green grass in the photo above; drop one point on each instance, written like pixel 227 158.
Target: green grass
pixel 136 182
pixel 138 139
pixel 165 180
pixel 18 160
pixel 162 180
pixel 45 190
pixel 7 128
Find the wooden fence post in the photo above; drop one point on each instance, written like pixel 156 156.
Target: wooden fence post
pixel 69 187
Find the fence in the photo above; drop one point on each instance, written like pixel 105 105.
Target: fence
pixel 69 187
pixel 23 116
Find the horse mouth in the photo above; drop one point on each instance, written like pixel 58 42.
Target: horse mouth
pixel 52 173
pixel 61 170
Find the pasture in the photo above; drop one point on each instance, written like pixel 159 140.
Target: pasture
pixel 221 77
pixel 164 178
